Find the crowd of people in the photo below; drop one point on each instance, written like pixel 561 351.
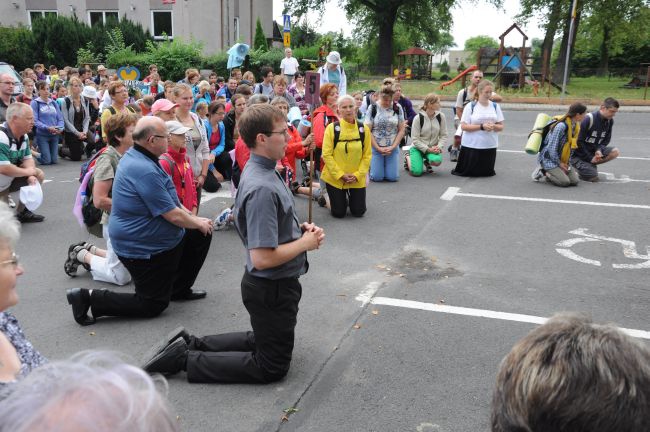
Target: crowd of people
pixel 151 157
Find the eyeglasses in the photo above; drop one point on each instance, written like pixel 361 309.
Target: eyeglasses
pixel 8 82
pixel 168 136
pixel 14 261
pixel 284 132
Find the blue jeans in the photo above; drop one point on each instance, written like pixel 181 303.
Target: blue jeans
pixel 48 145
pixel 384 167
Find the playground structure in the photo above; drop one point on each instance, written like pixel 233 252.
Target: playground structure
pixel 509 67
pixel 413 63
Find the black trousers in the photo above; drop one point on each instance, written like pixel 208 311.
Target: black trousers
pixel 340 199
pixel 260 356
pixel 211 183
pixel 156 280
pixel 223 164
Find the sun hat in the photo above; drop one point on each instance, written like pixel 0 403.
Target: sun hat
pixel 334 58
pixel 176 128
pixel 89 92
pixel 162 105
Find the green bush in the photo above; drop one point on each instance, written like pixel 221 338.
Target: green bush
pixel 128 57
pixel 309 53
pixel 217 62
pixel 271 58
pixel 173 57
pixel 259 41
pixel 444 66
pixel 16 45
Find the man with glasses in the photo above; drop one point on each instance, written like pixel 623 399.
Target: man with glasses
pixel 593 141
pixel 276 248
pixel 464 97
pixel 17 166
pixel 7 83
pixel 160 242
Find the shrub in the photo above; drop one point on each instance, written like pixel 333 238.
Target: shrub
pixel 87 55
pixel 259 41
pixel 444 66
pixel 217 62
pixel 271 58
pixel 173 57
pixel 128 57
pixel 306 53
pixel 16 46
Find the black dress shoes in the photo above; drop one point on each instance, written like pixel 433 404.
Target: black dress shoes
pixel 27 216
pixel 171 360
pixel 189 295
pixel 79 299
pixel 178 332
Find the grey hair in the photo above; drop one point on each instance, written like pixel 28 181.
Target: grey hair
pixel 92 391
pixel 15 109
pixel 344 98
pixel 257 98
pixel 573 375
pixel 279 100
pixel 9 226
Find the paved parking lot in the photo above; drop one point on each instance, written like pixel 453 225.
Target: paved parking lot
pixel 407 312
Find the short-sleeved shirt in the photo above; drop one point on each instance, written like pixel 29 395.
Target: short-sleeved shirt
pixel 334 77
pixel 289 65
pixel 12 152
pixel 265 217
pixel 481 114
pixel 142 193
pixel 104 171
pixel 385 123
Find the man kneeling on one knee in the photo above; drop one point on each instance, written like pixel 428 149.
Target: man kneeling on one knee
pixel 160 242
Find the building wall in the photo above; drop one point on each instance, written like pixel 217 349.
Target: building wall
pixel 219 24
pixel 468 58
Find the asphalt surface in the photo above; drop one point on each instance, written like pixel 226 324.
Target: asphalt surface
pixel 362 366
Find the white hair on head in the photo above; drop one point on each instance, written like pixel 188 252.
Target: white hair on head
pixel 344 98
pixel 93 391
pixel 9 226
pixel 16 109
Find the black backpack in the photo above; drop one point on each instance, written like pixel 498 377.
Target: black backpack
pixel 421 116
pixel 373 109
pixel 337 136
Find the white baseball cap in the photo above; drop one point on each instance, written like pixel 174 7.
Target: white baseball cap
pixel 176 128
pixel 89 92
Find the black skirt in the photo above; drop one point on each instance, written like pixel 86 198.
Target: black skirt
pixel 475 162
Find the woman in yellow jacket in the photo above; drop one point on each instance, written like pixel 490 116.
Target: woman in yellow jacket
pixel 347 161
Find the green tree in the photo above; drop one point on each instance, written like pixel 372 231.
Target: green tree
pixel 377 19
pixel 477 42
pixel 259 42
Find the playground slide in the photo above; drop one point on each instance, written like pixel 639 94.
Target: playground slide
pixel 459 76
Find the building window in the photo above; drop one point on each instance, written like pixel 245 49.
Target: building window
pixel 101 17
pixel 162 24
pixel 37 14
pixel 236 28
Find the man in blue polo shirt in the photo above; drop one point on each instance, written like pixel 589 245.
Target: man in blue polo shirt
pixel 161 243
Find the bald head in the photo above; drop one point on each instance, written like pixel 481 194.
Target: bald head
pixel 151 133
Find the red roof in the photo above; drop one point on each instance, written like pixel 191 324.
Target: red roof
pixel 415 51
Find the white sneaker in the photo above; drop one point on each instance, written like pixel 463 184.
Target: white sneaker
pixel 222 221
pixel 537 175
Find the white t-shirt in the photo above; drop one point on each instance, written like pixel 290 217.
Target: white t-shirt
pixel 482 114
pixel 289 65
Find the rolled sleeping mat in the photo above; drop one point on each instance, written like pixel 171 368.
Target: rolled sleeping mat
pixel 294 116
pixel 535 138
pixel 304 128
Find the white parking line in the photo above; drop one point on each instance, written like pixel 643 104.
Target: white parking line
pixel 481 313
pixel 620 157
pixel 453 192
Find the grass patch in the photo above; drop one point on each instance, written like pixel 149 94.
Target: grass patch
pixel 587 88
